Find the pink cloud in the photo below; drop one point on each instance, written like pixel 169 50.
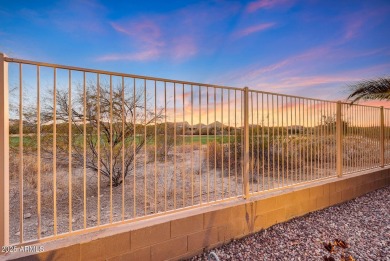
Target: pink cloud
pixel 357 23
pixel 265 4
pixel 145 36
pixel 336 82
pixel 297 65
pixel 253 29
pixel 140 56
pixel 306 81
pixel 152 42
pixel 281 68
pixel 176 35
pixel 144 31
pixel 352 29
pixel 184 47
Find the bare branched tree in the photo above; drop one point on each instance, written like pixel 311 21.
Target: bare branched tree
pixel 121 116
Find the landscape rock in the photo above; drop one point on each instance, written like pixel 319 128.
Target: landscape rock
pixel 367 235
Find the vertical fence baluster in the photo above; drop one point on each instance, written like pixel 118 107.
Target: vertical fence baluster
pixel 207 143
pixel 134 154
pixel 229 142
pixel 183 160
pixel 165 147
pixel 192 146
pixel 235 141
pixel 262 137
pixel 155 147
pixel 39 152
pixel 84 149
pixel 111 149
pixel 339 142
pixel 258 141
pixel 174 146
pixel 145 144
pixel 54 153
pixel 246 144
pixel 98 147
pixel 222 145
pixel 20 154
pixel 200 145
pixel 215 144
pixel 382 137
pixel 4 153
pixel 124 120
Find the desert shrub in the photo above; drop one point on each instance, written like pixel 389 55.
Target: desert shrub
pixel 218 154
pixel 187 148
pixel 160 147
pixel 273 153
pixel 359 151
pixel 30 168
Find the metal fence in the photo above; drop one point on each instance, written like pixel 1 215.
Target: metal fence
pixel 82 149
pixel 362 138
pixel 385 145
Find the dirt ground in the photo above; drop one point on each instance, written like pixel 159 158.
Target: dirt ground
pixel 167 188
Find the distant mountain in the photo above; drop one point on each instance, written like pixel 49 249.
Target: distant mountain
pixel 179 124
pixel 196 126
pixel 217 124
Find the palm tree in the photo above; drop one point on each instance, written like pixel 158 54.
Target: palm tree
pixel 378 89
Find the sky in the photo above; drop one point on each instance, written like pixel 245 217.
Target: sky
pixel 306 48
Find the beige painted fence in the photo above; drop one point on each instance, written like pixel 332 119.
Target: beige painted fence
pixel 83 149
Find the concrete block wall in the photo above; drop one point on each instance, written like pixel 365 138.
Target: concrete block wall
pixel 187 233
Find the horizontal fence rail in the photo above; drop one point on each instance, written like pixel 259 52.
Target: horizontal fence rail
pixel 89 148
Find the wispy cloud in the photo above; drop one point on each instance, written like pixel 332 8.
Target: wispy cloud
pixel 177 36
pixel 352 29
pixel 266 4
pixel 327 85
pixel 358 22
pixel 151 42
pixel 253 29
pixel 146 36
pixel 183 47
pixel 283 74
pixel 299 73
pixel 145 31
pixel 137 56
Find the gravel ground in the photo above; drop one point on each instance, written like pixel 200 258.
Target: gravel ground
pixel 363 223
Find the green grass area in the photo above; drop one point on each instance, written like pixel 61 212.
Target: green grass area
pixel 30 141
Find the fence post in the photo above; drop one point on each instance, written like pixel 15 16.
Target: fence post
pixel 246 143
pixel 339 141
pixel 382 137
pixel 4 153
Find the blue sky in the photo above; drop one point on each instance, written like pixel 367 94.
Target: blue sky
pixel 307 48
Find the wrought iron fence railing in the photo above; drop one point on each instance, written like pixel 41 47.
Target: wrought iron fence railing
pixel 82 149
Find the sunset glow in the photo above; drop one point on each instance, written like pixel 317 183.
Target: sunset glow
pixel 309 49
